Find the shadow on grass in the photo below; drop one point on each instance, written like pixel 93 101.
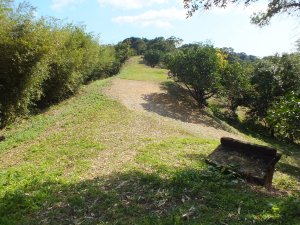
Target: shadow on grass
pixel 256 131
pixel 288 149
pixel 188 197
pixel 177 104
pixel 249 129
pixel 290 170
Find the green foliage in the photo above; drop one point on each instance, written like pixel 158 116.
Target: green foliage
pixel 139 45
pixel 284 116
pixel 107 65
pixel 164 45
pixel 153 57
pixel 274 7
pixel 241 56
pixel 77 163
pixel 123 51
pixel 154 50
pixel 241 80
pixel 198 69
pixel 25 46
pixel 271 80
pixel 273 77
pixel 43 61
pixel 74 61
pixel 158 48
pixel 235 85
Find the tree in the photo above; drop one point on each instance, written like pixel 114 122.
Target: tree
pixel 25 47
pixel 235 85
pixel 173 43
pixel 75 58
pixel 164 45
pixel 273 78
pixel 139 45
pixel 234 56
pixel 123 51
pixel 284 116
pixel 197 69
pixel 275 7
pixel 265 84
pixel 153 57
pixel 44 61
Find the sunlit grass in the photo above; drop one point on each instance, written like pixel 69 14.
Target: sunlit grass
pixel 136 70
pixel 90 160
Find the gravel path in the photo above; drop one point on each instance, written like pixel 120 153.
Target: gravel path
pixel 169 104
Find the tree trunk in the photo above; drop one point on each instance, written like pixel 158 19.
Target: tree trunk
pixel 272 132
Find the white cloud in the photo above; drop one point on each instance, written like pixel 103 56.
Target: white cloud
pixel 157 18
pixel 240 9
pixel 130 4
pixel 59 4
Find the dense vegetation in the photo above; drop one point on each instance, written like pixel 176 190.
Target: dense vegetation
pixel 198 69
pixel 90 160
pixel 44 60
pixel 262 85
pixel 153 50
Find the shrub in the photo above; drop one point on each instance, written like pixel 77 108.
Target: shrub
pixel 235 85
pixel 153 57
pixel 123 51
pixel 25 47
pixel 44 62
pixel 75 58
pixel 274 77
pixel 198 69
pixel 284 116
pixel 107 65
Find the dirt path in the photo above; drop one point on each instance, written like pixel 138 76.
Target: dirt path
pixel 170 104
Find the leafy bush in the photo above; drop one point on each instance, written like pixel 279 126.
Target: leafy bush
pixel 235 85
pixel 153 57
pixel 43 61
pixel 123 51
pixel 138 45
pixel 164 45
pixel 273 77
pixel 198 69
pixel 25 47
pixel 284 116
pixel 74 61
pixel 108 64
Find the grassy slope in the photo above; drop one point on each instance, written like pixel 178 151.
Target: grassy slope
pixel 136 70
pixel 89 160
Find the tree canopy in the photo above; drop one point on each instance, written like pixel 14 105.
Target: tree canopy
pixel 153 57
pixel 44 61
pixel 275 7
pixel 197 69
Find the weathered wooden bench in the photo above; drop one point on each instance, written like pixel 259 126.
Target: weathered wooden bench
pixel 253 162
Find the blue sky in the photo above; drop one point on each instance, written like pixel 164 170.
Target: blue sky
pixel 116 20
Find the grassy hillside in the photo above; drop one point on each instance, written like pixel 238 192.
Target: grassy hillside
pixel 136 70
pixel 90 160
